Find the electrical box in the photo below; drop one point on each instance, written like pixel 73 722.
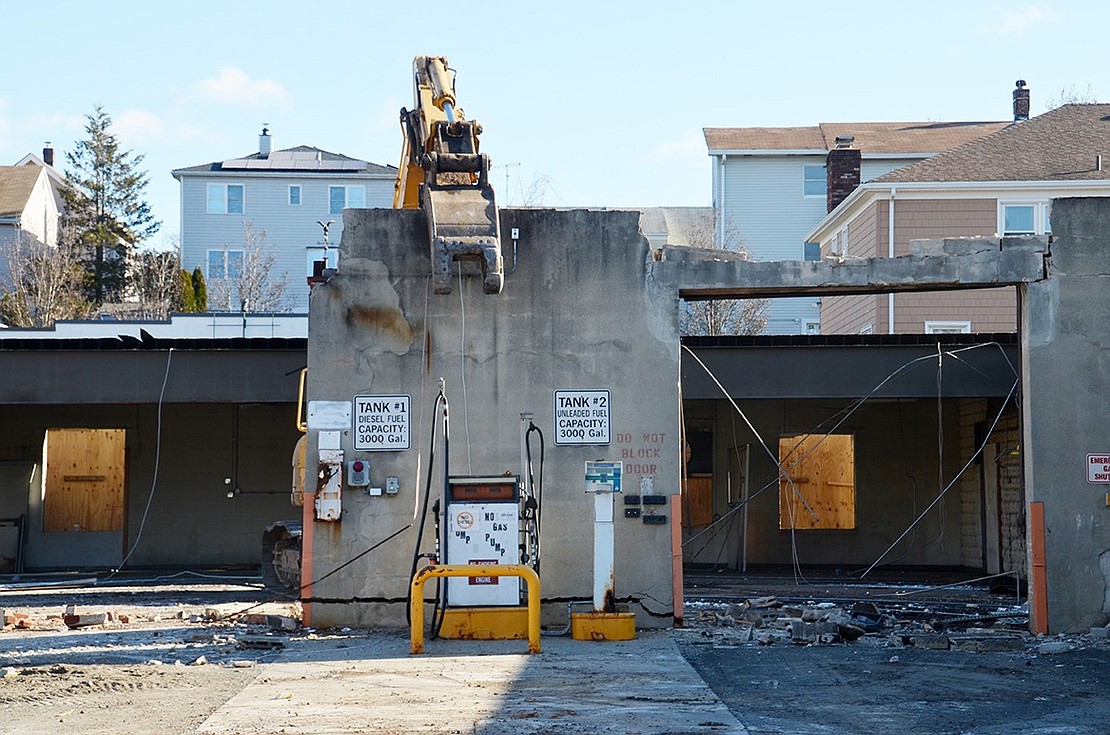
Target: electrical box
pixel 358 473
pixel 329 477
pixel 392 486
pixel 482 527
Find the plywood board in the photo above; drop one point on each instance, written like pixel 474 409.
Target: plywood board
pixel 84 479
pixel 699 500
pixel 823 493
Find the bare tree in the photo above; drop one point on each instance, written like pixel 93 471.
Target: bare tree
pixel 42 285
pixel 536 193
pixel 155 283
pixel 247 282
pixel 721 316
pixel 1070 95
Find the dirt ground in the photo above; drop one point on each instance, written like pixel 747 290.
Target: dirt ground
pixel 175 653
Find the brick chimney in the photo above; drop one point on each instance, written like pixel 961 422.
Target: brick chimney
pixel 1021 101
pixel 48 155
pixel 842 171
pixel 265 142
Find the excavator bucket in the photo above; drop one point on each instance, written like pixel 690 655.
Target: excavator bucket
pixel 463 222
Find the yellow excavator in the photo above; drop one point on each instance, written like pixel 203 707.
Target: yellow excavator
pixel 443 173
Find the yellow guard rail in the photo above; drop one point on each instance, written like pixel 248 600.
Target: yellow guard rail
pixel 416 609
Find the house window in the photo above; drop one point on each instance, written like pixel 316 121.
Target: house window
pixel 813 180
pixel 867 329
pixel 1024 218
pixel 821 489
pixel 224 264
pixel 346 197
pixel 225 199
pixel 947 327
pixel 295 195
pixel 812 326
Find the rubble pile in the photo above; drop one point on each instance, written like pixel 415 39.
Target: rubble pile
pixel 767 621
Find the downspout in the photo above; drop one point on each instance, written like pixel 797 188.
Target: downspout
pixel 890 254
pixel 721 200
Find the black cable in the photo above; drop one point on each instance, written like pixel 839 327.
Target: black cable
pixel 416 555
pixel 440 607
pixel 537 489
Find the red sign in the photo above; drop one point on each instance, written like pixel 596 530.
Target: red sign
pixel 483 580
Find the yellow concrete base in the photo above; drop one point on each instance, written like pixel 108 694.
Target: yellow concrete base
pixel 603 626
pixel 485 623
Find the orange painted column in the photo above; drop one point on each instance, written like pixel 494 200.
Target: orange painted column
pixel 1039 581
pixel 676 557
pixel 308 523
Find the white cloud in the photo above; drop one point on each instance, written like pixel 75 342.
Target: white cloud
pixel 1016 23
pixel 690 144
pixel 137 125
pixel 233 85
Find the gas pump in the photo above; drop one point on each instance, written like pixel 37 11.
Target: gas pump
pixel 482 527
pixel 483 521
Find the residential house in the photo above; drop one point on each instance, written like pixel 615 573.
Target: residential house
pixel 771 186
pixel 1003 183
pixel 286 194
pixel 30 203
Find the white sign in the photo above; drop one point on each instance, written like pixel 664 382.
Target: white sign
pixel 582 416
pixel 1098 468
pixel 381 423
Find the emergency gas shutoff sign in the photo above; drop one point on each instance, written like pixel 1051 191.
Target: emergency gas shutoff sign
pixel 582 416
pixel 1098 468
pixel 381 423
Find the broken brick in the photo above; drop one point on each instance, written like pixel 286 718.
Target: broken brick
pixel 84 620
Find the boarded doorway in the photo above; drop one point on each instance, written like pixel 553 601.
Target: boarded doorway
pixel 821 492
pixel 83 480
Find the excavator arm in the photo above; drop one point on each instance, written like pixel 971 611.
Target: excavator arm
pixel 443 173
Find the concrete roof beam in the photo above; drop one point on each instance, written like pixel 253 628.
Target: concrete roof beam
pixel 957 263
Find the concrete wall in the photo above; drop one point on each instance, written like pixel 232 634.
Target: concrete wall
pixel 580 310
pixel 191 522
pixel 1066 415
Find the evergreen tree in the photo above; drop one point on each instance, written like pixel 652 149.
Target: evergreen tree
pixel 200 290
pixel 105 209
pixel 188 295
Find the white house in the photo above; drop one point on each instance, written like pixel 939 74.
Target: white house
pixel 771 186
pixel 285 194
pixel 30 204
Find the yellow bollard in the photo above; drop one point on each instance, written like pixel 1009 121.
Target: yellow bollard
pixel 416 610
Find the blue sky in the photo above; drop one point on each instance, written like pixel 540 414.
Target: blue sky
pixel 590 103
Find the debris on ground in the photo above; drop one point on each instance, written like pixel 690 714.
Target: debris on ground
pixel 768 620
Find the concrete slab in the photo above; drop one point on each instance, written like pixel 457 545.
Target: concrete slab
pixel 370 683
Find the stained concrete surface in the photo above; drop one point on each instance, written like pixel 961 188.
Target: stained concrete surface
pixel 372 684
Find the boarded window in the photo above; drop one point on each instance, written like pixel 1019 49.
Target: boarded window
pixel 83 480
pixel 823 494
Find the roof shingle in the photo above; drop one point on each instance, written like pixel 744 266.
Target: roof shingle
pixel 16 185
pixel 870 137
pixel 1060 145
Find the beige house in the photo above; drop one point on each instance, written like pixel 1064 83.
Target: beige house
pixel 1001 184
